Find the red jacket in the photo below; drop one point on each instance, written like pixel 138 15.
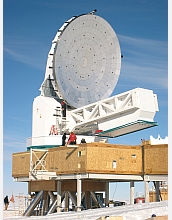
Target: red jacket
pixel 72 137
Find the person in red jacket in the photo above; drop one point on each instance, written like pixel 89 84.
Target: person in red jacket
pixel 72 139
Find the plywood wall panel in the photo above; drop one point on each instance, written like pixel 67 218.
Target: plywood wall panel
pixel 97 158
pixel 156 159
pixel 20 164
pixel 114 159
pixel 46 185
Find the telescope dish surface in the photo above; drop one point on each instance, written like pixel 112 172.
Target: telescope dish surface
pixel 87 60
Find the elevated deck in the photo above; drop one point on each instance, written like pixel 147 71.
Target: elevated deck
pixel 90 159
pixel 79 171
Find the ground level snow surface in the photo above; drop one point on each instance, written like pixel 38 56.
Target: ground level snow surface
pixel 138 211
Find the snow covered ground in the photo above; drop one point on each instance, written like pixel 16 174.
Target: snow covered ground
pixel 140 211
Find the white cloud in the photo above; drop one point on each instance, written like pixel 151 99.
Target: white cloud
pixel 145 61
pixel 25 50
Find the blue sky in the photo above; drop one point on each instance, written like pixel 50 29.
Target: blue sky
pixel 28 30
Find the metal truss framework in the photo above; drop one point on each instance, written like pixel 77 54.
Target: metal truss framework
pixel 124 110
pixel 38 167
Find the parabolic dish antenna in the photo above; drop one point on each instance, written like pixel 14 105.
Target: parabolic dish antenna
pixel 87 60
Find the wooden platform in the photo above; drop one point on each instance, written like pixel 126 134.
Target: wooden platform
pixel 98 158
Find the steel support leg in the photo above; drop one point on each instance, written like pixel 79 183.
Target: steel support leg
pixel 131 192
pixel 78 194
pixel 58 196
pixel 146 191
pixel 107 194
